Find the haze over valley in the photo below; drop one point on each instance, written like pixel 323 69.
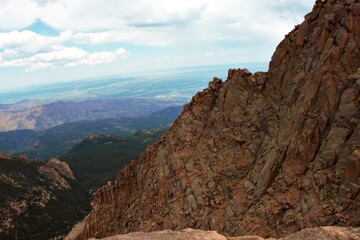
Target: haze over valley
pixel 173 84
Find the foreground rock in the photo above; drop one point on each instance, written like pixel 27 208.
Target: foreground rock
pixel 322 233
pixel 262 154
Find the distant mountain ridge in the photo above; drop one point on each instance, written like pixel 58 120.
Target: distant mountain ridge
pixel 59 139
pixel 42 115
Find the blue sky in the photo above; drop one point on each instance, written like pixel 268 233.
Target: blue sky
pixel 45 41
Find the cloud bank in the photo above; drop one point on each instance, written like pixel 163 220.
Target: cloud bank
pixel 85 25
pixel 35 51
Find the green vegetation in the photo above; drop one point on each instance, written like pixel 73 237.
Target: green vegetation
pixel 94 161
pixel 58 140
pixel 31 203
pixel 98 158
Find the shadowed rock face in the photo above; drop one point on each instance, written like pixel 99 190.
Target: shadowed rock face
pixel 28 189
pixel 261 154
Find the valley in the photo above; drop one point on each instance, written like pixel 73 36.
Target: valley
pixel 39 200
pixel 57 140
pixel 44 199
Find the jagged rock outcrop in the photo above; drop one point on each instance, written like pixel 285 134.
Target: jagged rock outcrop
pixel 261 154
pixel 61 167
pixel 320 233
pixel 57 173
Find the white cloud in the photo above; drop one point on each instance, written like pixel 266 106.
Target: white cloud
pixel 27 42
pixel 35 51
pixel 100 37
pixel 16 14
pixel 65 57
pixel 30 42
pixel 251 27
pixel 94 15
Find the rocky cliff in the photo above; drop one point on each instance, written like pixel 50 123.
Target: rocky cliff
pixel 30 192
pixel 261 154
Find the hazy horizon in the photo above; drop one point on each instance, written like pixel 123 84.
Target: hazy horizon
pixel 45 41
pixel 167 84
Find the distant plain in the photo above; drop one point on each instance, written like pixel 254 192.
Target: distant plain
pixel 172 84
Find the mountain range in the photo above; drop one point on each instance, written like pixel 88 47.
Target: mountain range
pixel 42 115
pixel 57 140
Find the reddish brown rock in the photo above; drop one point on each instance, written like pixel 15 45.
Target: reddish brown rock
pixel 323 233
pixel 265 154
pixel 187 234
pixel 5 156
pixel 61 167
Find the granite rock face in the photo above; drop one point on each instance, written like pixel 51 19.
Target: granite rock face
pixel 262 154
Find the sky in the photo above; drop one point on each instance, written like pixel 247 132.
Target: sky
pixel 46 41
